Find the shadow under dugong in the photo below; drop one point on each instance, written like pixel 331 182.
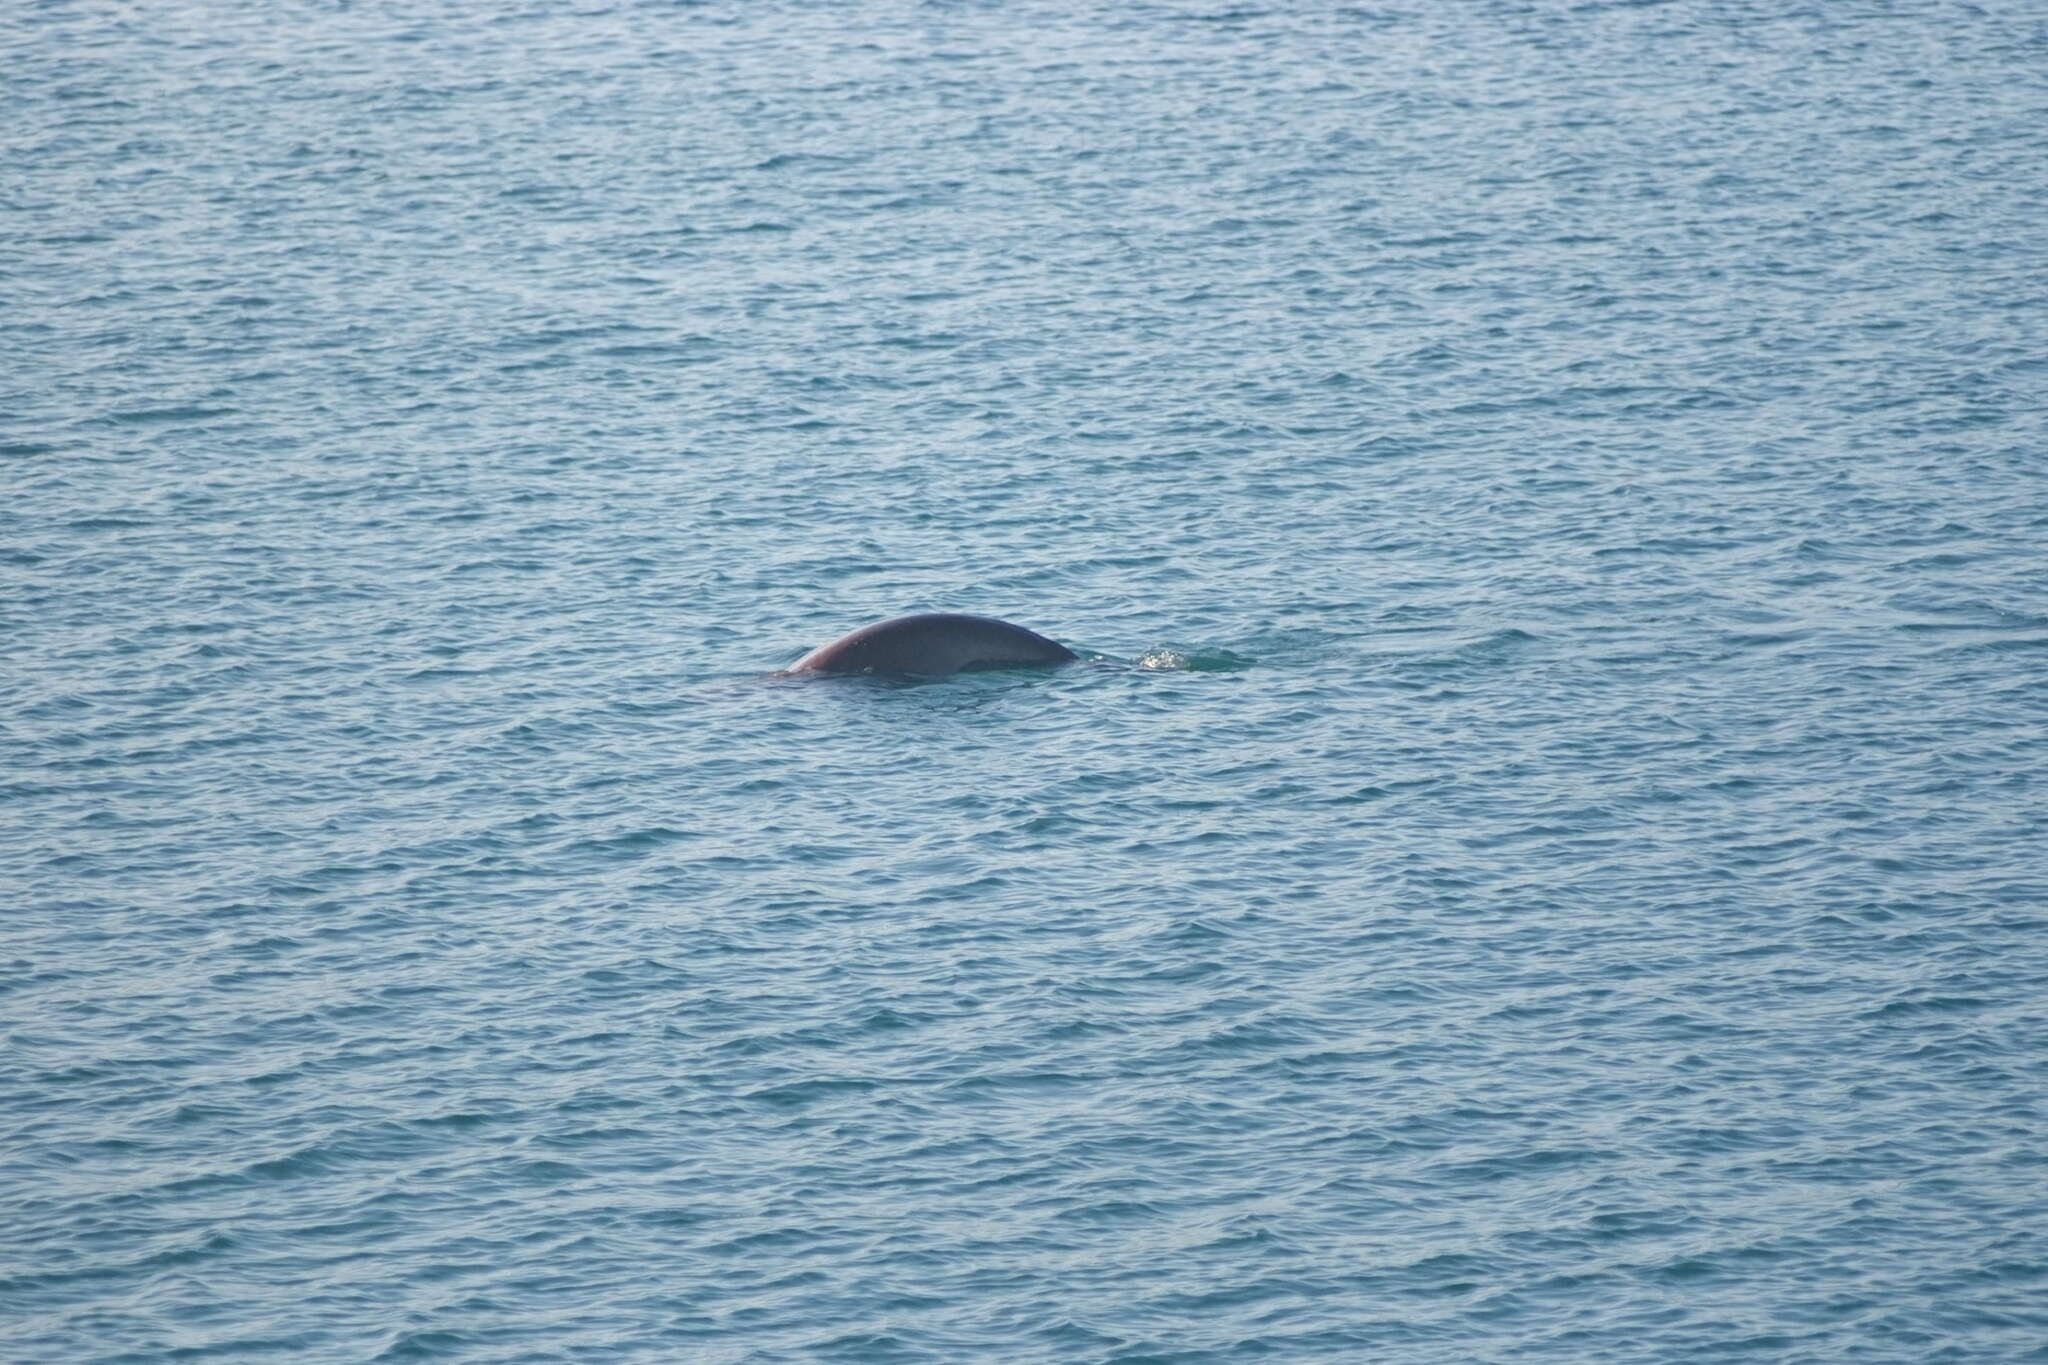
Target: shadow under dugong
pixel 933 643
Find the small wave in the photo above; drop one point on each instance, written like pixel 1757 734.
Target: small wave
pixel 802 1094
pixel 784 161
pixel 155 416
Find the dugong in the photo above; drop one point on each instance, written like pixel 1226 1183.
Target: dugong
pixel 933 642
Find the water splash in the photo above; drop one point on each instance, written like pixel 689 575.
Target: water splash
pixel 1192 659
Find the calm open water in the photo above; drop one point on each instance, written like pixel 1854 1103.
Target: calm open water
pixel 1548 858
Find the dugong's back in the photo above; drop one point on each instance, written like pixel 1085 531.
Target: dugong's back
pixel 933 642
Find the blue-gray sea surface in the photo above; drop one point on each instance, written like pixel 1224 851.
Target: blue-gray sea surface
pixel 1546 856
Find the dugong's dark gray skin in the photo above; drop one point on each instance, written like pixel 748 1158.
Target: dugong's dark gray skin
pixel 934 642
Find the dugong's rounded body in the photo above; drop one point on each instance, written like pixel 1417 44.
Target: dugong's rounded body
pixel 933 642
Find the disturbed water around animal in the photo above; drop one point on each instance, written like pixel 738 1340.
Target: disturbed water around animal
pixel 1543 855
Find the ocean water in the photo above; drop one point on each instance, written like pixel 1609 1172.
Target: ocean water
pixel 1546 857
